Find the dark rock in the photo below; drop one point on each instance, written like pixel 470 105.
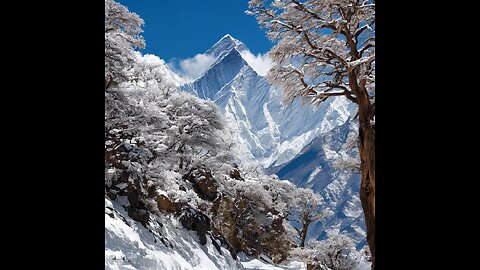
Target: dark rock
pixel 215 244
pixel 137 209
pixel 314 266
pixel 166 205
pixel 224 243
pixel 112 195
pixel 235 174
pixel 124 177
pixel 203 183
pixel 140 215
pixel 194 220
pixel 151 191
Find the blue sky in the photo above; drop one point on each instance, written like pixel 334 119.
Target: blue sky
pixel 180 29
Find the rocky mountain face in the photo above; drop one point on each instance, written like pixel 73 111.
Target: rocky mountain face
pixel 296 142
pixel 272 132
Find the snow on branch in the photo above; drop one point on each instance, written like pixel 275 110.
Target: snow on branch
pixel 324 48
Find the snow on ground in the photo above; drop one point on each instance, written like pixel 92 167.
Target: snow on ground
pixel 251 263
pixel 314 173
pixel 128 245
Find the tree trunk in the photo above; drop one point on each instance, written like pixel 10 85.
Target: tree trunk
pixel 110 83
pixel 303 234
pixel 367 185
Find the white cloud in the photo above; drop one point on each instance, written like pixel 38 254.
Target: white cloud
pixel 194 67
pixel 261 63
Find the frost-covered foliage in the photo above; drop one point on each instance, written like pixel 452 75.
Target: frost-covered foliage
pixel 251 216
pixel 337 252
pixel 196 135
pixel 304 209
pixel 122 35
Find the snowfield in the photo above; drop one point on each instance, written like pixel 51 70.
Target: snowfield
pixel 166 245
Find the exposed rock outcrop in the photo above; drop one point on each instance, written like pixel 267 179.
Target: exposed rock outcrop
pixel 203 183
pixel 194 220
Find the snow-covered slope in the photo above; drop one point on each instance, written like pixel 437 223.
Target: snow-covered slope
pixel 165 245
pixel 272 132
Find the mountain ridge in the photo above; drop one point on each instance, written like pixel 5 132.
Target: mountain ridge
pixel 247 110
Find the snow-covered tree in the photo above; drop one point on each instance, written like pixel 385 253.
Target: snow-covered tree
pixel 327 49
pixel 251 215
pixel 122 35
pixel 305 209
pixel 337 252
pixel 150 78
pixel 196 134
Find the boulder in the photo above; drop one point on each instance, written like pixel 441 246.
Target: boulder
pixel 203 183
pixel 166 205
pixel 235 174
pixel 194 220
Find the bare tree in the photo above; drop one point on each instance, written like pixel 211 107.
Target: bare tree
pixel 327 49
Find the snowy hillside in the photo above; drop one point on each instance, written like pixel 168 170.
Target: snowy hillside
pixel 272 132
pixel 164 245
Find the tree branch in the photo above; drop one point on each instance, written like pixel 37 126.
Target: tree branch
pixel 325 24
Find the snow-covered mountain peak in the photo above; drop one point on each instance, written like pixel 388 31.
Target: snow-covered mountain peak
pixel 224 46
pixel 255 109
pixel 228 64
pixel 229 56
